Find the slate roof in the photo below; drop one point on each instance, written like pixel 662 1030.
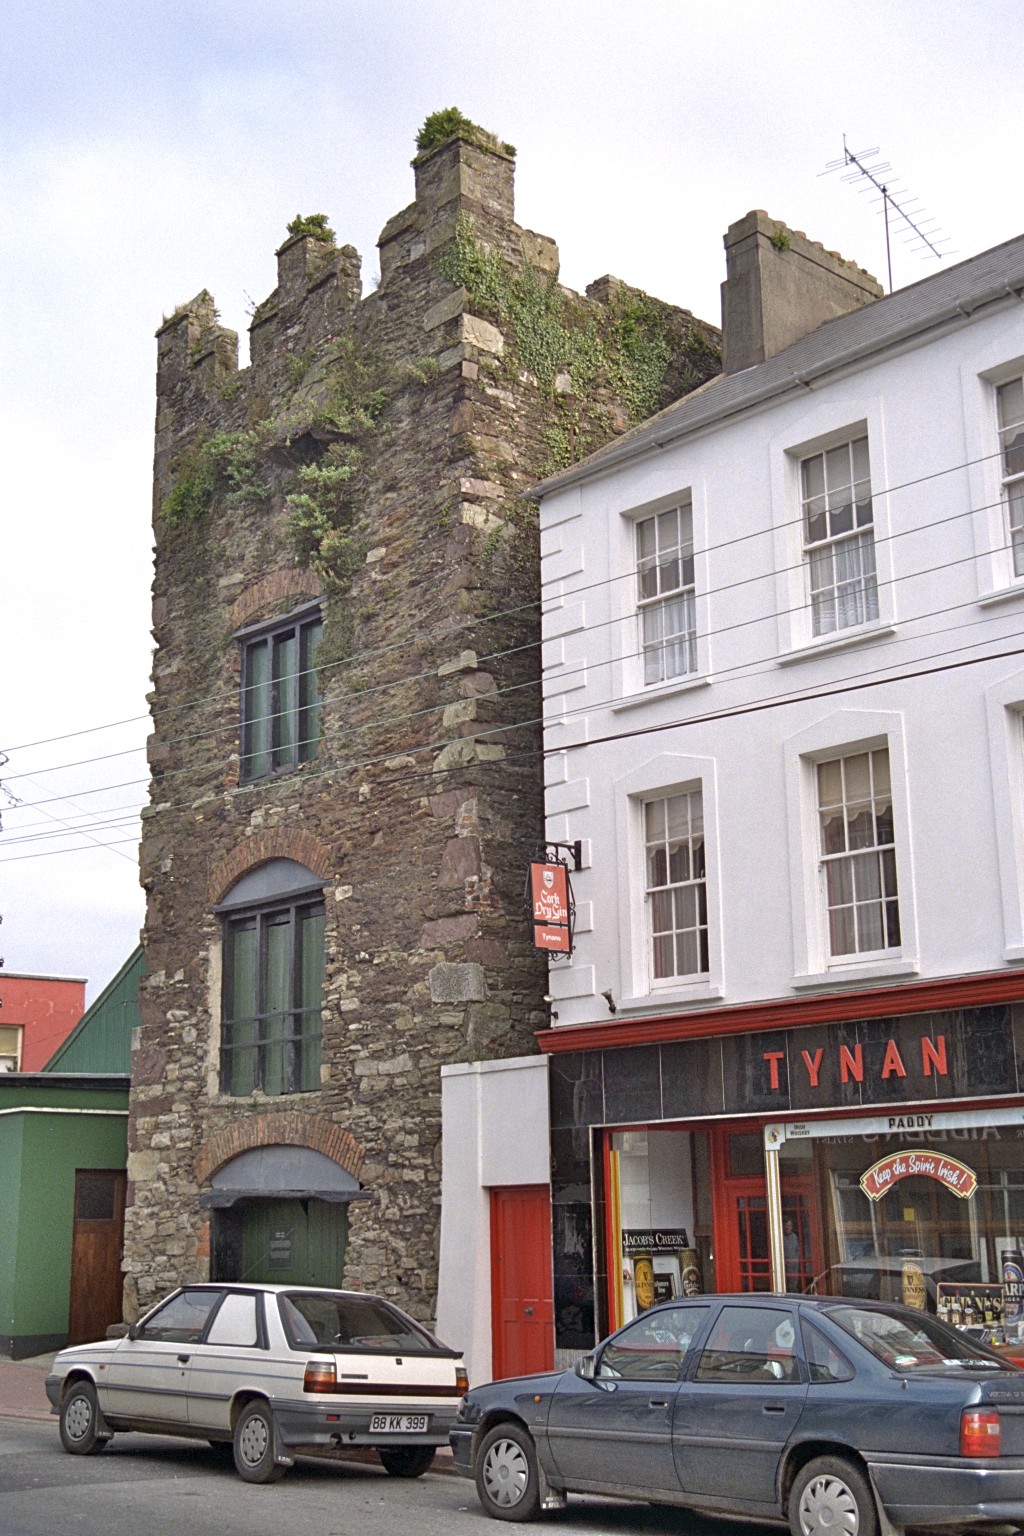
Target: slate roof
pixel 952 295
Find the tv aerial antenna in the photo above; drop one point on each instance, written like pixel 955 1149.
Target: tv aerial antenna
pixel 903 214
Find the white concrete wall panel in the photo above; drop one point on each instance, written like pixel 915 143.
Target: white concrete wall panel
pixel 940 664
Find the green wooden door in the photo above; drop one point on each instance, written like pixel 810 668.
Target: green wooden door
pixel 293 1242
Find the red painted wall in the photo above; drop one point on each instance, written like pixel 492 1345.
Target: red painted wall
pixel 46 1007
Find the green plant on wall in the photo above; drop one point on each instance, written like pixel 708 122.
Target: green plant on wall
pixel 313 224
pixel 321 515
pixel 625 346
pixel 226 463
pixel 194 489
pixel 450 123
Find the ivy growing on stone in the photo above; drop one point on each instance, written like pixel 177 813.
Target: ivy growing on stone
pixel 321 515
pixel 574 348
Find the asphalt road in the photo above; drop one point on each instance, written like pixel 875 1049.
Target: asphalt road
pixel 143 1485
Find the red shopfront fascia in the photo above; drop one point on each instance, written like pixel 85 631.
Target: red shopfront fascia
pixel 788 1013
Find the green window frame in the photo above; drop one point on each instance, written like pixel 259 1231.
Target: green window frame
pixel 273 998
pixel 280 695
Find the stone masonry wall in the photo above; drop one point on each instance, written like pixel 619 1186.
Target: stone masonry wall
pixel 425 799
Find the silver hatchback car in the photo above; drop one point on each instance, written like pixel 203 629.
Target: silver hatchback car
pixel 270 1370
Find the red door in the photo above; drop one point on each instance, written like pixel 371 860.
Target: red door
pixel 522 1309
pixel 740 1201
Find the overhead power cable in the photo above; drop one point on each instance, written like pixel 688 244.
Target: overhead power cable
pixel 706 595
pixel 433 774
pixel 369 653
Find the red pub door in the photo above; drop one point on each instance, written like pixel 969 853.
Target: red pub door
pixel 522 1307
pixel 742 1251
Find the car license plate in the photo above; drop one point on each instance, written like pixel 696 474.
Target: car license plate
pixel 399 1423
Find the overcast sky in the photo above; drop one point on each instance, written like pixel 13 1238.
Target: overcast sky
pixel 155 147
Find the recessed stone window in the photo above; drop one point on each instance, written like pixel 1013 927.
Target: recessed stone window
pixel 273 926
pixel 280 695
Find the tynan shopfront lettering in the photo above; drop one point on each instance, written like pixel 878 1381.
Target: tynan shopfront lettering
pixel 851 1062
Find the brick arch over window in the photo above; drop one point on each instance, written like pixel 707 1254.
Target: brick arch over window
pixel 274 843
pixel 287 1128
pixel 273 594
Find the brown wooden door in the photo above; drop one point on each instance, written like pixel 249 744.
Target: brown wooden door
pixel 96 1294
pixel 522 1305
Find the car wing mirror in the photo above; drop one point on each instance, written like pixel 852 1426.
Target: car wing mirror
pixel 133 1330
pixel 586 1367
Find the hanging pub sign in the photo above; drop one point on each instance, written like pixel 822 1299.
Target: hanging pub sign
pixel 921 1162
pixel 551 903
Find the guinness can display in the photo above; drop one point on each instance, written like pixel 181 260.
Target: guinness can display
pixel 914 1292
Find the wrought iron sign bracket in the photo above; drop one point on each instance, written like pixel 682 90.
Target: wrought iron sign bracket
pixel 575 849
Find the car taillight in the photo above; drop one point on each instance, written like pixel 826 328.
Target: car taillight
pixel 461 1379
pixel 320 1376
pixel 979 1432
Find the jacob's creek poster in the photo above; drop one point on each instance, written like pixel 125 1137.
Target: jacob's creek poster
pixel 659 1264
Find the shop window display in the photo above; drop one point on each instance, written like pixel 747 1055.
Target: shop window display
pixel 661 1217
pixel 933 1220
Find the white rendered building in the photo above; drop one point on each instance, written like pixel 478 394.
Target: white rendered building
pixel 784 692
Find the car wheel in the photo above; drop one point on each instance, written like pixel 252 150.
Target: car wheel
pixel 79 1417
pixel 407 1460
pixel 507 1479
pixel 833 1496
pixel 254 1444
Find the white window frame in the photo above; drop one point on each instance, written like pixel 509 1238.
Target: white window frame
pixel 629 687
pixel 10 1061
pixel 670 889
pixel 830 546
pixel 667 774
pixel 1004 708
pixel 824 425
pixel 671 549
pixel 844 734
pixel 850 859
pixel 989 367
pixel 1012 481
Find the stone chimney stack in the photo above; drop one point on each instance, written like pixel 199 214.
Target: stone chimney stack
pixel 780 286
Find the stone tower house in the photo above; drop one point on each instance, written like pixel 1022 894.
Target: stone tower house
pixel 346 768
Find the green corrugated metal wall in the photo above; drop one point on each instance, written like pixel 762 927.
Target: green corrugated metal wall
pixel 101 1041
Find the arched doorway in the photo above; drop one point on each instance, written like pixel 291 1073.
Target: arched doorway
pixel 280 1215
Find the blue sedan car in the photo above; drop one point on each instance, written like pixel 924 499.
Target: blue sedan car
pixel 831 1414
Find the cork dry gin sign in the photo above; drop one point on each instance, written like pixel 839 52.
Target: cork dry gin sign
pixel 549 898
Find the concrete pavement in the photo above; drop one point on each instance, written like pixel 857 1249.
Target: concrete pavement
pixel 22 1393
